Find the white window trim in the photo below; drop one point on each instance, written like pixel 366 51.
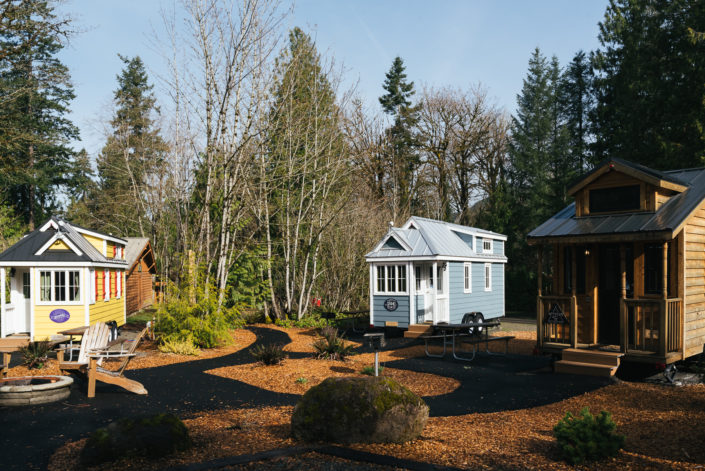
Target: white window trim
pixel 391 293
pixel 118 284
pixel 106 285
pixel 488 279
pixel 467 266
pixel 91 288
pixel 491 249
pixel 66 287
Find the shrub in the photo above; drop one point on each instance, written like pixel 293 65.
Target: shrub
pixel 587 438
pixel 201 323
pixel 370 370
pixel 35 354
pixel 331 346
pixel 153 436
pixel 301 380
pixel 268 354
pixel 178 346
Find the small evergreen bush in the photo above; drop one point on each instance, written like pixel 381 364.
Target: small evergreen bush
pixel 35 354
pixel 370 370
pixel 331 346
pixel 587 438
pixel 178 346
pixel 268 354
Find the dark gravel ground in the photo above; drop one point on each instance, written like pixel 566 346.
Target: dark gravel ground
pixel 29 435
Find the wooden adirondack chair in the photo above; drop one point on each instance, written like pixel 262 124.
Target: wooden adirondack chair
pixel 95 348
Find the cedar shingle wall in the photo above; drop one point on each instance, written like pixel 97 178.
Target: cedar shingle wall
pixel 140 293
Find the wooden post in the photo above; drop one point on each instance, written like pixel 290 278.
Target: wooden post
pixel 92 369
pixel 663 333
pixel 623 328
pixel 539 302
pixel 3 314
pixel 5 363
pixel 573 299
pixel 434 276
pixel 681 290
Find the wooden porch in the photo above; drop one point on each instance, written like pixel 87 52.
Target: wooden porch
pixel 602 297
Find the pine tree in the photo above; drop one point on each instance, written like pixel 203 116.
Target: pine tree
pixel 403 160
pixel 578 102
pixel 35 92
pixel 133 152
pixel 650 72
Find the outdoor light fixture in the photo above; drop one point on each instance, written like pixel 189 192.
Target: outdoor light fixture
pixel 587 252
pixel 376 340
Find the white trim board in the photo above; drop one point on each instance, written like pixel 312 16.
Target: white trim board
pixel 439 258
pixel 58 237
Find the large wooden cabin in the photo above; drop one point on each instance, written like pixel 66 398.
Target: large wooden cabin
pixel 626 265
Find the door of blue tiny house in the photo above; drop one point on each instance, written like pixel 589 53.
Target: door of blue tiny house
pixel 425 292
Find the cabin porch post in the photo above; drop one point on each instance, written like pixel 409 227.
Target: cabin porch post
pixel 435 293
pixel 623 331
pixel 3 315
pixel 573 299
pixel 539 301
pixel 663 318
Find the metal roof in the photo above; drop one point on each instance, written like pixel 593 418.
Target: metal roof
pixel 134 248
pixel 428 237
pixel 26 248
pixel 668 217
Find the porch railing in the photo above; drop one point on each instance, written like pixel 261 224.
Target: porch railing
pixel 645 324
pixel 555 332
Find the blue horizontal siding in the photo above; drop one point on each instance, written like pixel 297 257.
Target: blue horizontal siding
pixel 490 303
pixel 381 315
pixel 498 247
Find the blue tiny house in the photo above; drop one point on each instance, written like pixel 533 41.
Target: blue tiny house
pixel 434 271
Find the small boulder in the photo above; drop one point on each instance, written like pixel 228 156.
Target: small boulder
pixel 152 436
pixel 359 410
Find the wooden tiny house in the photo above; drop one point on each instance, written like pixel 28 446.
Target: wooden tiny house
pixel 140 274
pixel 627 264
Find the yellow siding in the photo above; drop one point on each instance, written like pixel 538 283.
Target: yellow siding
pixel 45 327
pixel 104 311
pixel 96 242
pixel 111 250
pixel 99 294
pixel 59 245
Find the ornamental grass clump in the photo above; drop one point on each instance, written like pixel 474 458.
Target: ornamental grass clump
pixel 35 354
pixel 268 354
pixel 331 346
pixel 587 438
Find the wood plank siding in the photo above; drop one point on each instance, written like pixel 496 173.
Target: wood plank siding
pixel 694 319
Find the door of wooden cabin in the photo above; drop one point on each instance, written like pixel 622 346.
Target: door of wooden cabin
pixel 609 294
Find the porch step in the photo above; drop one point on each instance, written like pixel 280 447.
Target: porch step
pixel 579 368
pixel 417 330
pixel 595 357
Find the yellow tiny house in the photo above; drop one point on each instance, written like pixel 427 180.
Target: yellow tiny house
pixel 61 276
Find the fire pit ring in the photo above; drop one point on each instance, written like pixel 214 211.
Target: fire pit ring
pixel 29 390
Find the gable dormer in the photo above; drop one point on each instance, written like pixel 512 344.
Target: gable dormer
pixel 617 186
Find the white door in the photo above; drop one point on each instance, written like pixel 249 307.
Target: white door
pixel 20 298
pixel 442 314
pixel 424 288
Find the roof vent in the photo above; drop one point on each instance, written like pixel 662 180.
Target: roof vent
pixel 391 224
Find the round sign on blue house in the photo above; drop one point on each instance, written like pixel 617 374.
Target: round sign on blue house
pixel 59 315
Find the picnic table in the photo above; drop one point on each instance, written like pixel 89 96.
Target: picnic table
pixel 448 333
pixel 71 333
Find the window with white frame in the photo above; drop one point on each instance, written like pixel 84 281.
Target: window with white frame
pixel 118 284
pixel 60 286
pixel 467 277
pixel 417 272
pixel 488 277
pixel 486 245
pixel 391 279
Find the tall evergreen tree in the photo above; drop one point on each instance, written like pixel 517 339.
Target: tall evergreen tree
pixel 578 102
pixel 35 92
pixel 305 173
pixel 649 80
pixel 132 153
pixel 401 144
pixel 540 168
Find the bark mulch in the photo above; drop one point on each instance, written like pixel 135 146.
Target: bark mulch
pixel 664 426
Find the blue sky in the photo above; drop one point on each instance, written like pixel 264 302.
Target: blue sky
pixel 443 43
